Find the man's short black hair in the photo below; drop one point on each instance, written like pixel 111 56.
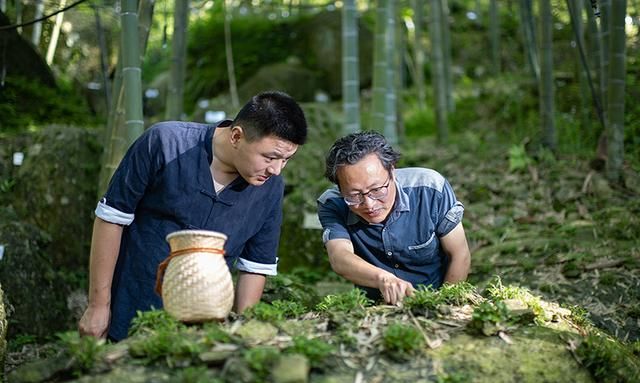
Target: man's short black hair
pixel 273 113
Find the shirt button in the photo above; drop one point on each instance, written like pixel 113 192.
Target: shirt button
pixel 389 253
pixel 396 265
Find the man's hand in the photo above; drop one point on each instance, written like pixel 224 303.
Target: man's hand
pixel 95 321
pixel 394 289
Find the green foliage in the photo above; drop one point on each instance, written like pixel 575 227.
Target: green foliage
pixel 401 340
pixel 196 374
pixel 261 359
pixel 457 294
pixel 497 291
pixel 288 287
pixel 84 351
pixel 353 301
pixel 250 34
pixel 608 359
pixel 580 316
pixel 214 334
pixel 277 311
pixel 518 158
pixel 420 123
pixel 26 103
pixel 153 320
pixel 316 350
pixel 489 318
pixel 174 347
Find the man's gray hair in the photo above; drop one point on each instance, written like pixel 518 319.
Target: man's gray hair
pixel 352 148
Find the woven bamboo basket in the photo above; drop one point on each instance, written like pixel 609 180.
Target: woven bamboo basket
pixel 197 285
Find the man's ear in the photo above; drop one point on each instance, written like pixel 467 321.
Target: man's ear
pixel 237 134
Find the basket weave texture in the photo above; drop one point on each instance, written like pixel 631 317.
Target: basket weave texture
pixel 197 285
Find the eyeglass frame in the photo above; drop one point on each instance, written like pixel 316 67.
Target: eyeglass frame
pixel 362 196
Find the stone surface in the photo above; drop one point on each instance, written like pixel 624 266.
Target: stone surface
pixel 291 369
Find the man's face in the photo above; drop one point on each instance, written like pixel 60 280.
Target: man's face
pixel 258 160
pixel 368 176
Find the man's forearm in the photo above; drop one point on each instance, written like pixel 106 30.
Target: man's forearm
pixel 249 290
pixel 458 268
pixel 105 245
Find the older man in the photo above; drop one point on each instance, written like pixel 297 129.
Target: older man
pixel 390 230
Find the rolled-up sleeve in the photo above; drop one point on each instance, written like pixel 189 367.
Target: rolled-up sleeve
pixel 259 254
pixel 450 211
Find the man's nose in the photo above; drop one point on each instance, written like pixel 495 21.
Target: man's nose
pixel 276 167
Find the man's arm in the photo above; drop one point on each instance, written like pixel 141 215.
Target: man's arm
pixel 105 246
pixel 347 264
pixel 456 247
pixel 248 290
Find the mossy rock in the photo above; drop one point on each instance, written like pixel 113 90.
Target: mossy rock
pixel 556 349
pixel 289 77
pixel 55 190
pixel 35 293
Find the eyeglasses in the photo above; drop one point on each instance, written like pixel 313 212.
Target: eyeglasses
pixel 375 194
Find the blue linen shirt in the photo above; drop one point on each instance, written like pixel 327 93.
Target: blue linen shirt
pixel 164 184
pixel 407 244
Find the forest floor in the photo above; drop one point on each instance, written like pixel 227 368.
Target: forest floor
pixel 549 228
pixel 554 226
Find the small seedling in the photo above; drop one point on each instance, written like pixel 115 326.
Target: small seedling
pixel 154 320
pixel 489 318
pixel 401 340
pixel 261 359
pixel 84 351
pixel 353 301
pixel 316 350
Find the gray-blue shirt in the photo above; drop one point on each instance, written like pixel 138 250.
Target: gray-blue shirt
pixel 407 244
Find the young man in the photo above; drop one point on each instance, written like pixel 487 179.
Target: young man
pixel 389 230
pixel 181 175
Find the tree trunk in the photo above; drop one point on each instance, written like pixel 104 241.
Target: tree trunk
pixel 529 38
pixel 36 32
pixel 391 115
pixel 437 70
pixel 446 54
pixel 175 89
pixel 605 6
pixel 228 48
pixel 115 137
pixel 350 74
pixel 3 6
pixel 547 109
pixel 53 42
pixel 19 14
pixel 380 62
pixel 615 101
pixel 494 36
pixel 418 49
pixel 103 57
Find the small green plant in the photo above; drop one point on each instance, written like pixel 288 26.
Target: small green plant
pixel 84 351
pixel 170 345
pixel 213 333
pixel 316 350
pixel 456 377
pixel 580 316
pixel 457 294
pixel 518 158
pixel 608 359
pixel 154 320
pixel 489 318
pixel 196 374
pixel 353 301
pixel 260 359
pixel 498 292
pixel 401 340
pixel 423 298
pixel 277 311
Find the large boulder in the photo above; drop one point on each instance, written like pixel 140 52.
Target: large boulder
pixel 35 292
pixel 290 77
pixel 55 189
